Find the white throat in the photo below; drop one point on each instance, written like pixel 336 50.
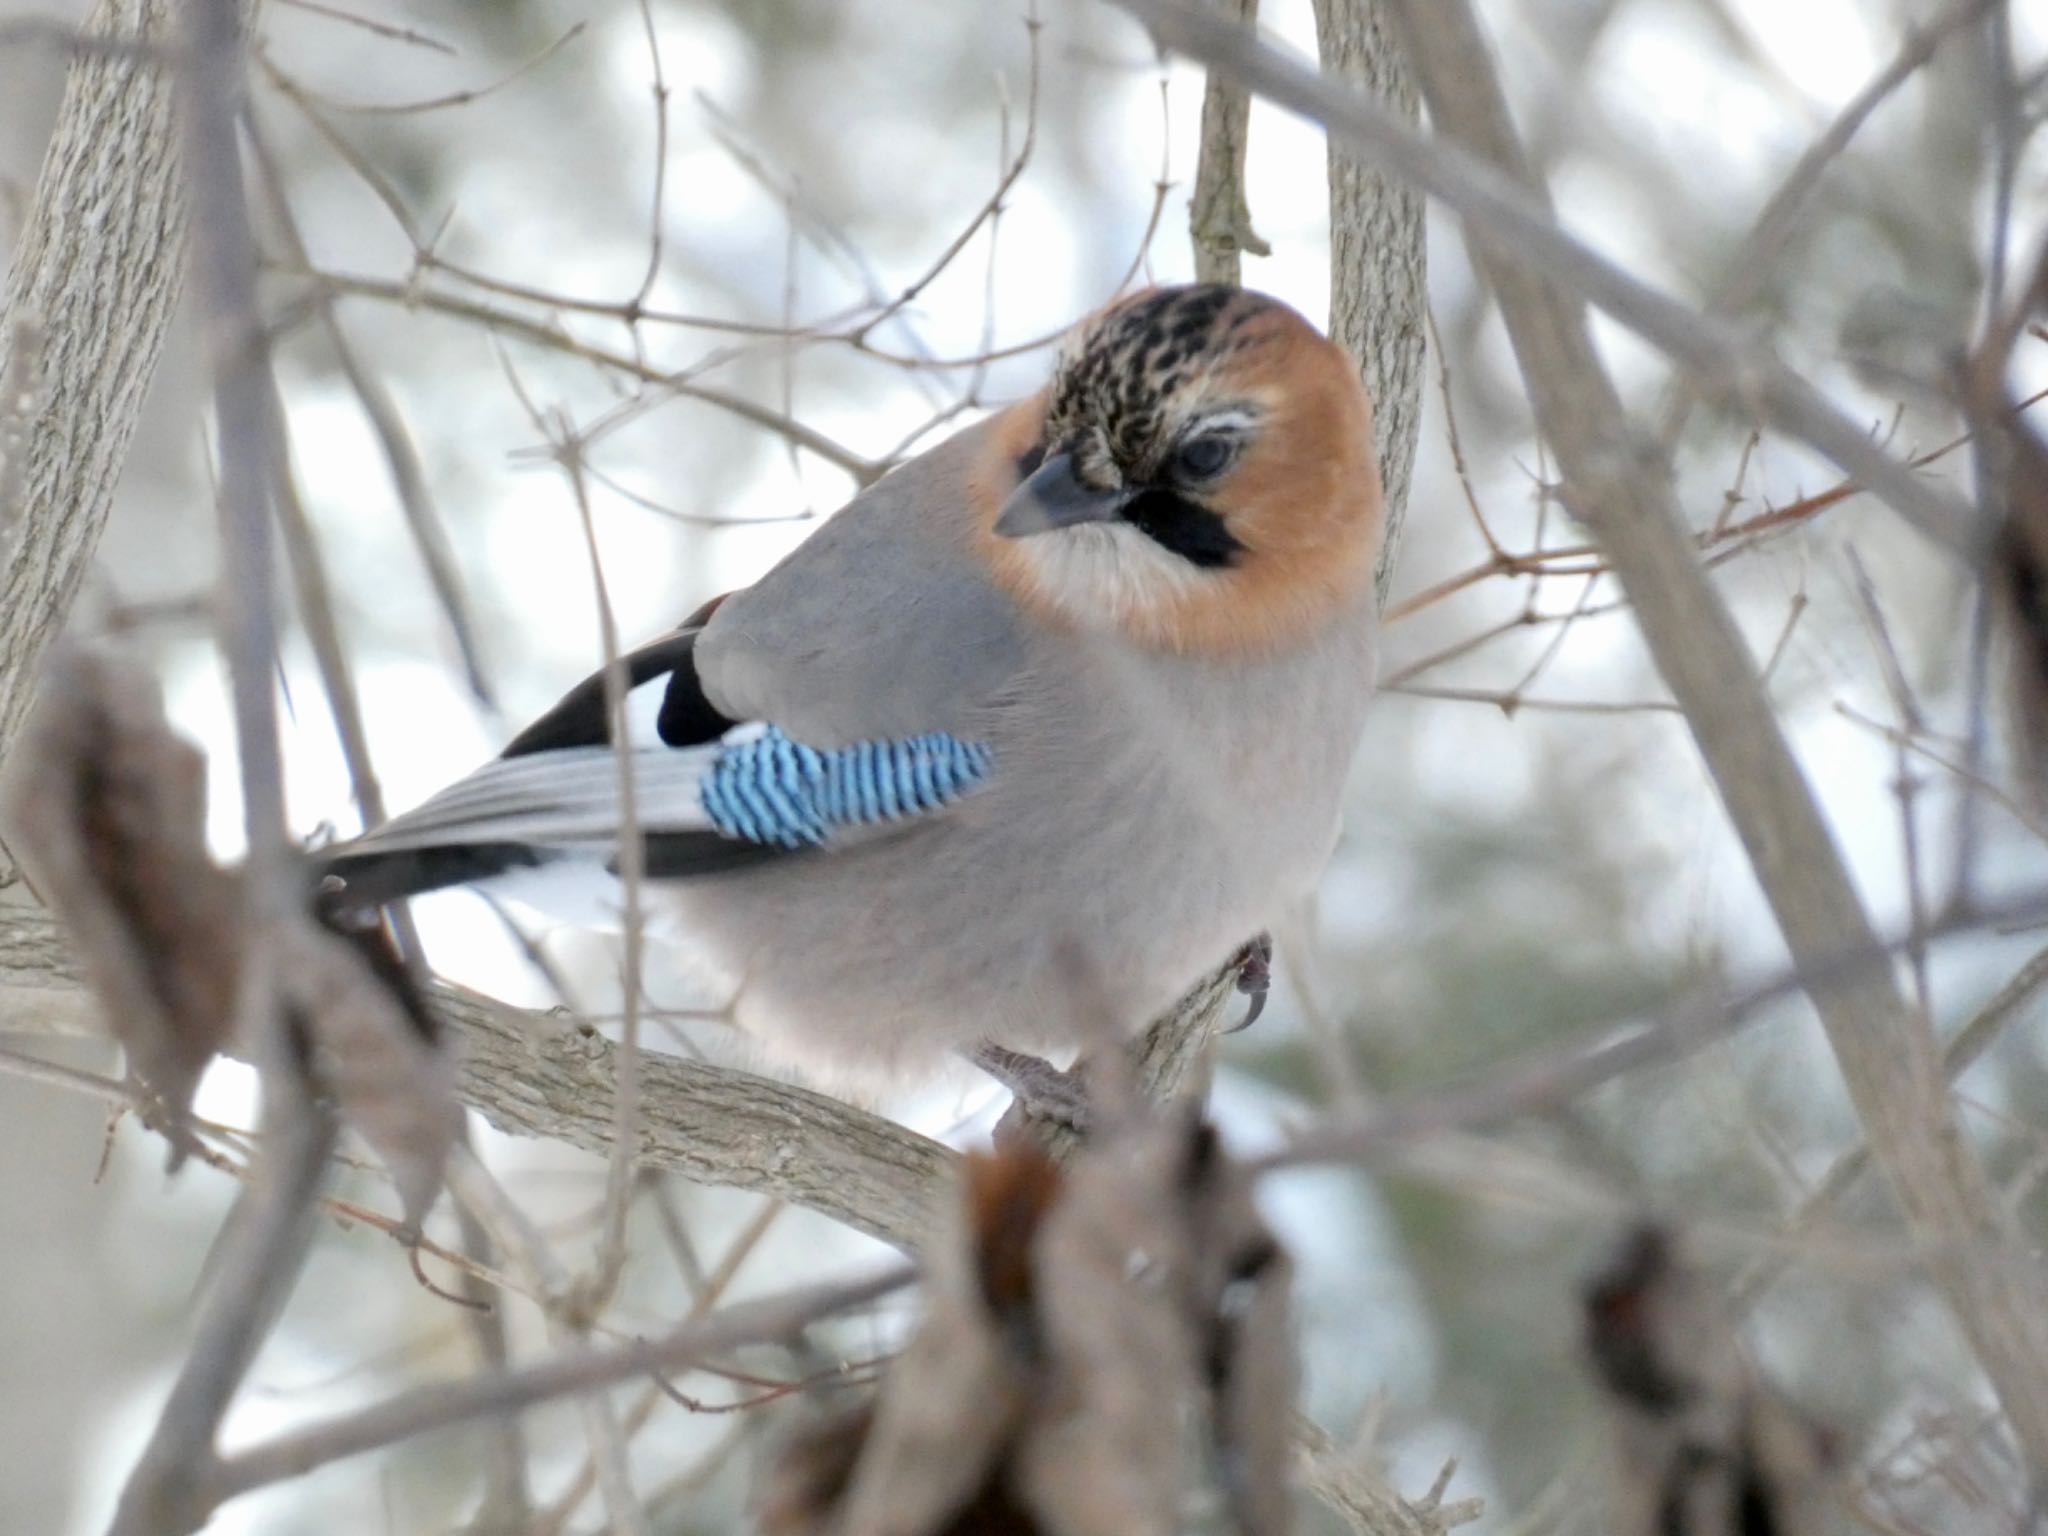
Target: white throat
pixel 1108 576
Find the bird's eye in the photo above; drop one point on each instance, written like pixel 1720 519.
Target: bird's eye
pixel 1204 458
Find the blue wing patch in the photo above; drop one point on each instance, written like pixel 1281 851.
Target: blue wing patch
pixel 769 789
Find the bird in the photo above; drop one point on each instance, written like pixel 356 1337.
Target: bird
pixel 1071 697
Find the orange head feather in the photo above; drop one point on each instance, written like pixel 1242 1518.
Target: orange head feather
pixel 1199 475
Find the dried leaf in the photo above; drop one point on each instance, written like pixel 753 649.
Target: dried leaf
pixel 2019 571
pixel 1074 1319
pixel 1700 1447
pixel 1115 1273
pixel 106 807
pixel 374 1047
pixel 942 1422
pixel 809 1483
pixel 1160 1283
pixel 1254 1371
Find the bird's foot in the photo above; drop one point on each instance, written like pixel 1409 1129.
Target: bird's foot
pixel 1042 1090
pixel 1254 978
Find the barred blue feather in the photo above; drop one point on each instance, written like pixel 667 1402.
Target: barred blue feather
pixel 769 789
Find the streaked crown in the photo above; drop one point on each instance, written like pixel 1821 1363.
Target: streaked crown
pixel 1199 473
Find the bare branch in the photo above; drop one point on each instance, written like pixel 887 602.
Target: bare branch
pixel 102 310
pixel 1886 1051
pixel 1219 217
pixel 440 1407
pixel 268 1233
pixel 1721 357
pixel 259 1255
pixel 534 1074
pixel 1758 252
pixel 1961 1051
pixel 1378 258
pixel 401 457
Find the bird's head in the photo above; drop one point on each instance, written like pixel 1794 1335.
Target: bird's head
pixel 1199 475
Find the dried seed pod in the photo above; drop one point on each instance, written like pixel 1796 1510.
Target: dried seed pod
pixel 1700 1447
pixel 106 808
pixel 371 1044
pixel 1076 1315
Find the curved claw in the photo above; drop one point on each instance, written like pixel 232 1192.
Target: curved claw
pixel 1254 979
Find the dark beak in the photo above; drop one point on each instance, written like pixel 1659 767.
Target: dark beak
pixel 1054 497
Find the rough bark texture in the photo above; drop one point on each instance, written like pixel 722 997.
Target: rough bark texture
pixel 96 275
pixel 533 1074
pixel 1378 274
pixel 1622 489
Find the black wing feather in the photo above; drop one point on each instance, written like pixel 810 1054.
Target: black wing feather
pixel 688 718
pixel 371 879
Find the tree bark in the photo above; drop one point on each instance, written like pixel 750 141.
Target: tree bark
pixel 1378 268
pixel 535 1074
pixel 95 279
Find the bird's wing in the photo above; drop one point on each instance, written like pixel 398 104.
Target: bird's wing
pixel 752 794
pixel 838 698
pixel 884 623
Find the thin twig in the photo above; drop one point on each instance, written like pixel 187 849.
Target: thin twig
pixel 460 98
pixel 1884 1048
pixel 566 447
pixel 268 1231
pixel 1963 1050
pixel 444 1406
pixel 371 24
pixel 707 1295
pixel 1719 355
pixel 1219 215
pixel 1757 252
pixel 265 1238
pixel 1906 785
pixel 658 213
pixel 568 1325
pixel 401 458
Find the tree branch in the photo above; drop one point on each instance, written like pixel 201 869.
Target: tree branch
pixel 1625 495
pixel 1378 257
pixel 536 1074
pixel 100 308
pixel 561 1375
pixel 1721 357
pixel 1219 217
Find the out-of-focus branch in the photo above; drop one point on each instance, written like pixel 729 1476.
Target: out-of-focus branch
pixel 265 1241
pixel 1626 497
pixel 531 1257
pixel 1219 216
pixel 1721 357
pixel 258 1258
pixel 1961 1051
pixel 401 457
pixel 1744 274
pixel 1378 266
pixel 99 309
pixel 1356 1494
pixel 533 1074
pixel 561 1375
